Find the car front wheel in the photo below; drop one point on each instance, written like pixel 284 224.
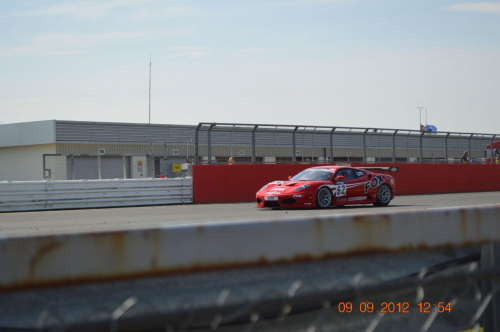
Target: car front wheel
pixel 384 195
pixel 323 198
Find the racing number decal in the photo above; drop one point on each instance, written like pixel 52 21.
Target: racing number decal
pixel 341 190
pixel 374 183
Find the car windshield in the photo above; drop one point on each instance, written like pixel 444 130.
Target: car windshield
pixel 313 175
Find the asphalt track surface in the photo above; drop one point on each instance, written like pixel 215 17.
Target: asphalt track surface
pixel 112 219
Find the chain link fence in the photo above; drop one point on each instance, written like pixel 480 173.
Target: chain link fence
pixel 371 293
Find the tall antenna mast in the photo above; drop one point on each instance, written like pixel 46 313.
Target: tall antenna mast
pixel 150 87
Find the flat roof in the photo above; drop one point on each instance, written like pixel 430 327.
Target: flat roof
pixel 28 133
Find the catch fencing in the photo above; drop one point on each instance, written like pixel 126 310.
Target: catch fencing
pixel 432 270
pixel 269 143
pixel 77 194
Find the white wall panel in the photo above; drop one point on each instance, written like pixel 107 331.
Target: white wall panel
pixel 23 162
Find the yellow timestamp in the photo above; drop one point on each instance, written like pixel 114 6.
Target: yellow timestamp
pixel 393 307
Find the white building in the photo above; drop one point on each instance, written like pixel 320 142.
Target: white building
pixel 60 150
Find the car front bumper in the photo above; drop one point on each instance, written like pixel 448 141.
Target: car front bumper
pixel 278 200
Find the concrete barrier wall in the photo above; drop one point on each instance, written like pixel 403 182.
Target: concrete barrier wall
pixel 56 259
pixel 239 183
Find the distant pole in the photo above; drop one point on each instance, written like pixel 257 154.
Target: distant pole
pixel 149 87
pixel 420 124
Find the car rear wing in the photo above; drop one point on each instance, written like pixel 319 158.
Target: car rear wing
pixel 391 169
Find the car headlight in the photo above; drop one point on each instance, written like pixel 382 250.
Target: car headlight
pixel 302 187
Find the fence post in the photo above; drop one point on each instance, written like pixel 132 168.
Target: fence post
pixel 364 145
pixel 446 148
pixel 209 142
pixel 331 144
pixel 491 150
pixel 394 146
pixel 421 147
pixel 253 144
pixel 469 148
pixel 490 260
pixel 294 146
pixel 196 144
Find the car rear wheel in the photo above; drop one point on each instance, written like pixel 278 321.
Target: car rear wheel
pixel 323 198
pixel 384 195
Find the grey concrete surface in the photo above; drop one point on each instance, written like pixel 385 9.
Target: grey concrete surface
pixel 98 220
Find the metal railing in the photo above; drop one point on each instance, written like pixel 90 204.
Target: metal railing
pixel 325 144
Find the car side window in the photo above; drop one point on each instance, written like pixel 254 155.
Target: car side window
pixel 359 174
pixel 348 173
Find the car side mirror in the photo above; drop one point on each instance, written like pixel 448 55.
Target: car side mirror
pixel 339 178
pixel 289 177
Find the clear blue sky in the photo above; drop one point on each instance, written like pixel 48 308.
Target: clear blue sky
pixel 361 63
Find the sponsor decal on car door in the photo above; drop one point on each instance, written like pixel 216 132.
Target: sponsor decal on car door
pixel 374 183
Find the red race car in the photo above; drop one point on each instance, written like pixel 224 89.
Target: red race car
pixel 326 186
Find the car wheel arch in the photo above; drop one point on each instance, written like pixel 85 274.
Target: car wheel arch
pixel 384 195
pixel 324 197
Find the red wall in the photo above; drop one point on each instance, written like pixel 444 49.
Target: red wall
pixel 239 183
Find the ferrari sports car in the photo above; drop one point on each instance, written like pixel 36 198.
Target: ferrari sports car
pixel 325 186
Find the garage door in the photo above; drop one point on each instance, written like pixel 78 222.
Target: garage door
pixel 87 168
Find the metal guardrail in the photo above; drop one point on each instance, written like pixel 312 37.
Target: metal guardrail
pixel 77 194
pixel 455 293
